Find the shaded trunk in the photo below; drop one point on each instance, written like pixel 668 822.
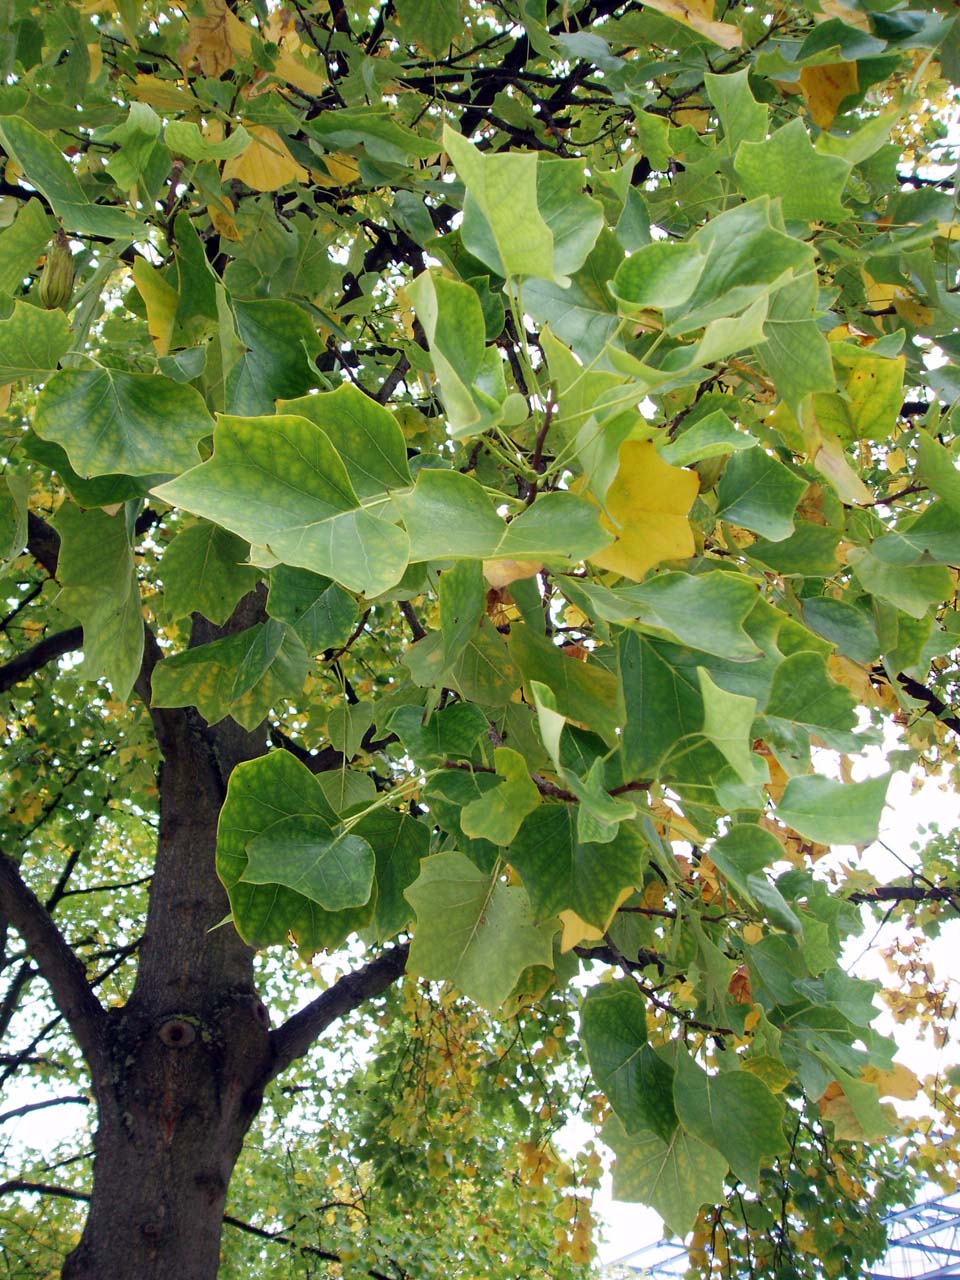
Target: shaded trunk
pixel 182 1065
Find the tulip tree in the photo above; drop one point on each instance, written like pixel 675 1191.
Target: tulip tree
pixel 479 491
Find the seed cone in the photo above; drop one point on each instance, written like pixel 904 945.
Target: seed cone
pixel 56 279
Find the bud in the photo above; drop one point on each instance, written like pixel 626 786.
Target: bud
pixel 56 279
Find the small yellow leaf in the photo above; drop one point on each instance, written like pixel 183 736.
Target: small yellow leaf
pixel 698 15
pixel 267 164
pixel 223 219
pixel 825 87
pixel 576 930
pixel 209 41
pixel 500 573
pixel 161 300
pixel 647 507
pixel 853 17
pixel 95 54
pixel 342 170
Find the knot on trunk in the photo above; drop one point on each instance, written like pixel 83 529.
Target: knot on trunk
pixel 177 1032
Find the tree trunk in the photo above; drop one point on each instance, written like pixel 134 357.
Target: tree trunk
pixel 182 1065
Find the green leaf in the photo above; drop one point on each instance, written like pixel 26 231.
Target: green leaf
pixel 710 437
pixel 137 139
pixel 279 483
pixel 803 692
pixel 742 856
pixel 400 842
pixel 136 423
pixel 727 720
pixel 674 1177
pixel 13 517
pixel 845 625
pixel 366 436
pixel 562 874
pixel 574 218
pixel 322 614
pixel 796 355
pixel 484 672
pixel 463 601
pixel 32 342
pixel 785 165
pixel 663 703
pixel 638 1083
pixel 742 118
pixel 99 588
pixel 203 570
pixel 183 138
pixel 450 733
pixel 661 274
pixel 242 675
pixel 435 24
pixel 747 255
pixel 809 552
pixel 734 1112
pixel 938 469
pixel 53 176
pixel 834 812
pixel 22 244
pixel 473 930
pixel 301 852
pixel 261 793
pixel 502 223
pixel 448 515
pixel 583 691
pixel 498 815
pixel 278 342
pixel 470 373
pixel 759 493
pixel 705 611
pixel 912 588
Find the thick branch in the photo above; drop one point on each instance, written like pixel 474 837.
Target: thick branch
pixel 946 715
pixel 34 659
pixel 906 893
pixel 58 964
pixel 43 1189
pixel 43 543
pixel 78 1099
pixel 297 1034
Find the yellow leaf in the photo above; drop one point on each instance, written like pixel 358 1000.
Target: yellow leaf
pixel 847 13
pixel 161 300
pixel 267 164
pixel 95 54
pixel 165 95
pixel 647 507
pixel 915 313
pixel 576 930
pixel 825 87
pixel 223 219
pixel 500 573
pixel 342 170
pixel 901 1082
pixel 698 15
pixel 209 41
pixel 949 230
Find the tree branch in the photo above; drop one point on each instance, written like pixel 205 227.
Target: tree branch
pixel 946 715
pixel 34 659
pixel 292 1040
pixel 906 893
pixel 80 1099
pixel 57 962
pixel 43 1189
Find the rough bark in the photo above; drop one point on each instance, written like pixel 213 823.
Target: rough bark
pixel 182 1064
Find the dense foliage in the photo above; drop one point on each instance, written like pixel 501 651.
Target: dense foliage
pixel 511 447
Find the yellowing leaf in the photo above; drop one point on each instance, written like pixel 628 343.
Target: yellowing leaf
pixel 161 301
pixel 646 508
pixel 267 164
pixel 852 16
pixel 825 87
pixel 698 15
pixel 576 931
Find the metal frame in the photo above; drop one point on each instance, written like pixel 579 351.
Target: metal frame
pixel 923 1244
